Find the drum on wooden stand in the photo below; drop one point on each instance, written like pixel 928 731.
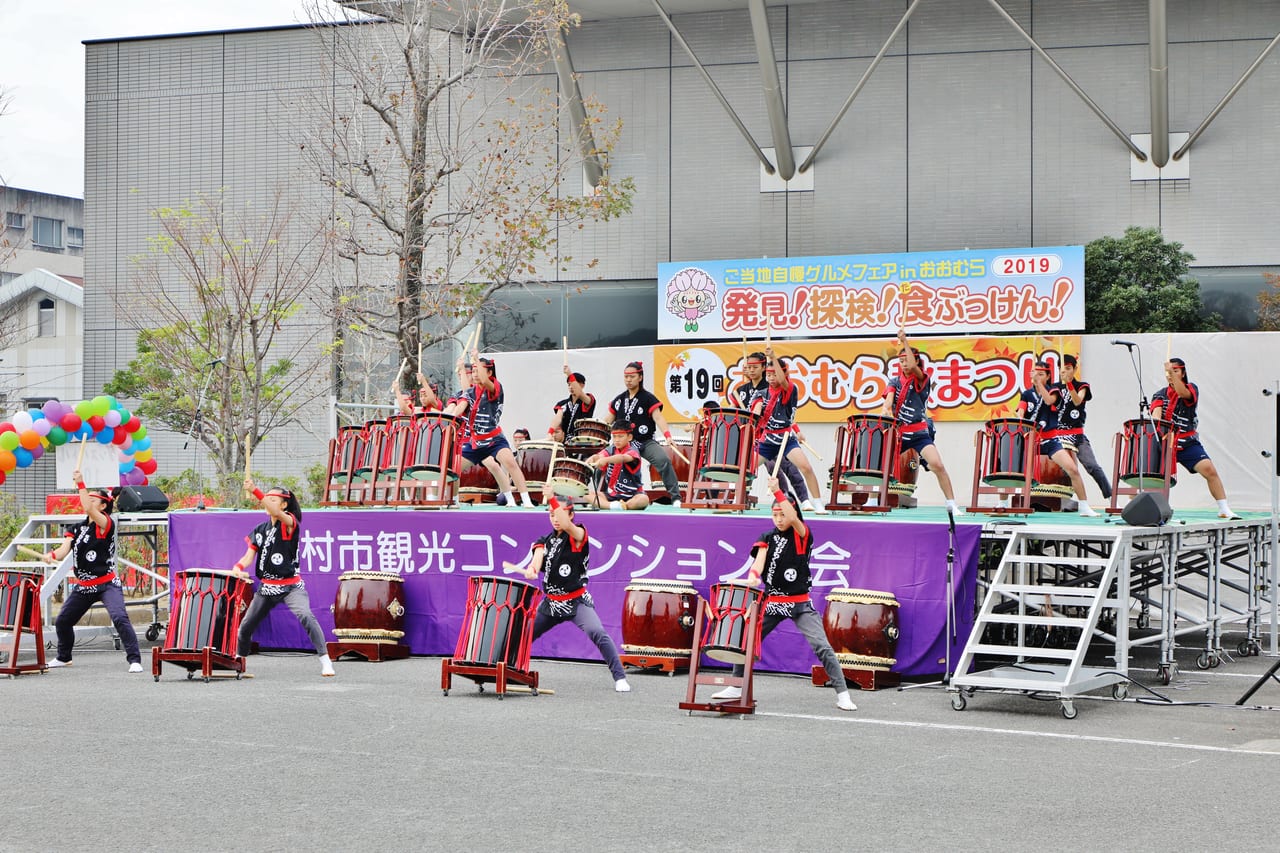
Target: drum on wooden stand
pixel 868 449
pixel 1009 447
pixel 435 447
pixel 657 624
pixel 724 451
pixel 476 485
pixel 204 621
pixel 589 436
pixel 497 630
pixel 726 634
pixel 862 627
pixel 1145 460
pixel 20 615
pixel 535 459
pixel 368 616
pixel 571 477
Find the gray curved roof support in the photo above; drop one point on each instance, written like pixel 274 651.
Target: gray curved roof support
pixel 724 102
pixel 866 75
pixel 1097 110
pixel 1158 22
pixel 1186 146
pixel 772 90
pixel 577 112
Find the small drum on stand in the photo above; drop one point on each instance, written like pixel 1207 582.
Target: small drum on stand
pixel 368 616
pixel 589 436
pixel 722 456
pixel 866 465
pixel 730 632
pixel 1003 452
pixel 657 624
pixel 435 459
pixel 204 620
pixel 19 616
pixel 497 630
pixel 862 627
pixel 1144 456
pixel 869 449
pixel 571 477
pixel 727 637
pixel 535 459
pixel 1050 484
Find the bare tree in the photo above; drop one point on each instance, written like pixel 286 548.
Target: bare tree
pixel 451 153
pixel 218 300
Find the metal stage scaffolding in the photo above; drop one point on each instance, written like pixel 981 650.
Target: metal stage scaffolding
pixel 1056 601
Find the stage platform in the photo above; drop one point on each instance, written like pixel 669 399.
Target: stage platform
pixel 1194 575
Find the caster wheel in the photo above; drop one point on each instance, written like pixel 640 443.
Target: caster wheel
pixel 191 674
pixel 239 675
pixel 533 691
pixel 1254 649
pixel 206 679
pixel 445 692
pixel 1069 710
pixel 1244 649
pixel 1203 662
pixel 958 701
pixel 153 633
pixel 1120 691
pixel 157 678
pixel 1144 621
pixel 1214 661
pixel 480 687
pixel 1165 674
pixel 501 696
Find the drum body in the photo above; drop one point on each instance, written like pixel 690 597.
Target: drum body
pixel 869 449
pixel 1142 454
pixel 570 477
pixel 862 626
pixel 726 634
pixel 369 606
pixel 1008 442
pixel 206 611
pixel 12 592
pixel 721 440
pixel 678 464
pixel 657 618
pixel 534 458
pixel 498 625
pixel 589 435
pixel 435 447
pixel 477 484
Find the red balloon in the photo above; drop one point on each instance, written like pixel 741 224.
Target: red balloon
pixel 70 422
pixel 118 435
pixel 1 478
pixel 132 425
pixel 7 427
pixel 148 467
pixel 145 481
pixel 97 423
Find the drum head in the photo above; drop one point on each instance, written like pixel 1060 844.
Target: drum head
pixel 1004 481
pixel 565 486
pixel 862 478
pixel 725 654
pixel 721 473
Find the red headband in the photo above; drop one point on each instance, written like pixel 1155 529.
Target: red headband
pixel 555 504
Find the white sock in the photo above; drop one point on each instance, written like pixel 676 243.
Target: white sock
pixel 615 505
pixel 1222 506
pixel 525 499
pixel 951 505
pixel 511 498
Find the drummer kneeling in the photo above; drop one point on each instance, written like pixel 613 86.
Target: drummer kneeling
pixel 781 560
pixel 619 487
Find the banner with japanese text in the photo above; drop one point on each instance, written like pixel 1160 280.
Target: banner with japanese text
pixel 973 379
pixel 953 292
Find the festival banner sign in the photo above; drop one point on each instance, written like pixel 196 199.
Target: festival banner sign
pixel 974 379
pixel 961 292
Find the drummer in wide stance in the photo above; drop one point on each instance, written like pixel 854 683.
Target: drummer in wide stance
pixel 1180 415
pixel 579 404
pixel 273 552
pixel 486 444
pixel 781 561
pixel 619 485
pixel 562 556
pixel 778 431
pixel 745 396
pixel 1040 403
pixel 906 400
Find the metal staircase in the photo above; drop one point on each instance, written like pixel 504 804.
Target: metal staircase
pixel 1042 610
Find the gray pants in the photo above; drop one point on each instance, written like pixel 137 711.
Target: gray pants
pixel 809 623
pixel 1089 462
pixel 78 603
pixel 656 455
pixel 791 475
pixel 586 618
pixel 299 605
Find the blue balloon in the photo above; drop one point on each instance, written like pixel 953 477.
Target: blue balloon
pixel 105 435
pixel 23 456
pixel 36 414
pixel 127 466
pixel 140 444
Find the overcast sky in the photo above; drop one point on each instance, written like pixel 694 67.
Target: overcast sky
pixel 42 70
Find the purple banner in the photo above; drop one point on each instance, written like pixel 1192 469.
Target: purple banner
pixel 435 552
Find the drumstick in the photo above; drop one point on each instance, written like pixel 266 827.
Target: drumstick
pixel 248 455
pixel 565 348
pixel 479 326
pixel 30 552
pixel 744 349
pixel 520 688
pixel 777 463
pixel 395 381
pixel 677 452
pixel 80 457
pixel 806 446
pixel 419 350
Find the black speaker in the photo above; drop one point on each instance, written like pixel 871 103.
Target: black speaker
pixel 141 499
pixel 1148 509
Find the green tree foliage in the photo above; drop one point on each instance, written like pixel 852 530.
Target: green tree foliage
pixel 1139 283
pixel 226 301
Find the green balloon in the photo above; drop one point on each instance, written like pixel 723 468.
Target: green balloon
pixel 8 440
pixel 57 436
pixel 141 432
pixel 101 405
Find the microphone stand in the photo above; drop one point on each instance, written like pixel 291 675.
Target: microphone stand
pixel 950 637
pixel 1144 415
pixel 195 423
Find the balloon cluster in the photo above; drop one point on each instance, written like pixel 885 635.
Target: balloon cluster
pixel 26 435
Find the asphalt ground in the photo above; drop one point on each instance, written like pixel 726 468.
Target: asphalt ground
pixel 378 759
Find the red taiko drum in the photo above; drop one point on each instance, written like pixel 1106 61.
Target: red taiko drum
pixel 868 449
pixel 678 464
pixel 206 610
pixel 588 434
pixel 725 637
pixel 722 442
pixel 1008 443
pixel 498 625
pixel 570 477
pixel 435 447
pixel 476 485
pixel 15 584
pixel 657 618
pixel 1143 455
pixel 535 458
pixel 369 607
pixel 862 626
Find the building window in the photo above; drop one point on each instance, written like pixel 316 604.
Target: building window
pixel 47 233
pixel 47 324
pixel 75 236
pixel 16 221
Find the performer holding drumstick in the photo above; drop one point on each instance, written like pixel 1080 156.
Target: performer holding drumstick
pixel 779 433
pixel 1176 405
pixel 273 551
pixel 620 463
pixel 755 390
pixel 579 404
pixel 781 561
pixel 93 574
pixel 640 408
pixel 562 556
pixel 906 400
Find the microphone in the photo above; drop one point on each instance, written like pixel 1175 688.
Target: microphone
pixel 215 361
pixel 1129 344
